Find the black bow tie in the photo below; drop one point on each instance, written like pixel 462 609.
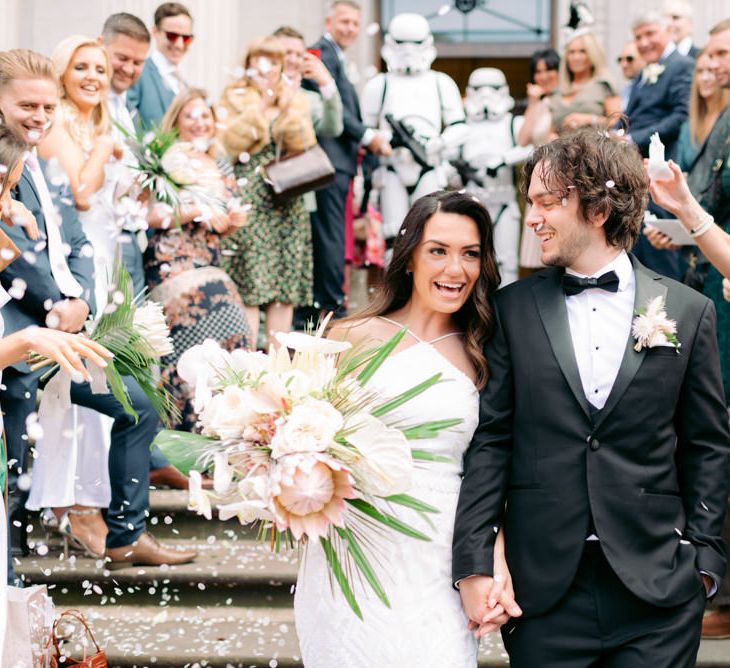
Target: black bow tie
pixel 574 285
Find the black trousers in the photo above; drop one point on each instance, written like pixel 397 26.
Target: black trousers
pixel 328 244
pixel 601 624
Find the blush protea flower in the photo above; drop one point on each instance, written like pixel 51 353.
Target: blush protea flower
pixel 309 492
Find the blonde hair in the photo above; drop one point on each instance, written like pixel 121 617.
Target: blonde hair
pixel 61 57
pixel 596 56
pixel 25 64
pixel 172 115
pixel 699 107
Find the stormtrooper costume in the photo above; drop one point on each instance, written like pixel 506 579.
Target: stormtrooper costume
pixel 487 158
pixel 428 102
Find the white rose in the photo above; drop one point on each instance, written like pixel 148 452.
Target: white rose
pixel 198 367
pixel 230 412
pixel 179 164
pixel 310 427
pixel 386 465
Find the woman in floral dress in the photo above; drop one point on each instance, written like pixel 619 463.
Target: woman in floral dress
pixel 270 259
pixel 182 262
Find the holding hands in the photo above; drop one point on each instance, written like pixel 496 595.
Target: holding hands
pixel 489 602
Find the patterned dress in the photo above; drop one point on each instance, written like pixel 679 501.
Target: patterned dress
pixel 270 258
pixel 182 269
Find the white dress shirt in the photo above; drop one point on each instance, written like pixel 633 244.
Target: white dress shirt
pixel 685 45
pixel 600 325
pixel 60 270
pixel 170 74
pixel 120 113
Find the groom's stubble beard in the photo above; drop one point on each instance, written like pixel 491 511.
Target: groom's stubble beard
pixel 572 243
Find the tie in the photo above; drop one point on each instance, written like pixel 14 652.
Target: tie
pixel 574 285
pixel 65 280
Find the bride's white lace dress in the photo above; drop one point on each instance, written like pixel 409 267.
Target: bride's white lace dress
pixel 425 625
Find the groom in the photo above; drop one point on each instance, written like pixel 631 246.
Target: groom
pixel 605 466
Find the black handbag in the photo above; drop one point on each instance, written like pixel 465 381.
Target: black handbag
pixel 298 173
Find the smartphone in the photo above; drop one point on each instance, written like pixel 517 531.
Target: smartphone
pixel 317 53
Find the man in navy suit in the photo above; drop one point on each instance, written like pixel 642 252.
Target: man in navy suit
pixel 161 80
pixel 56 279
pixel 659 102
pixel 342 26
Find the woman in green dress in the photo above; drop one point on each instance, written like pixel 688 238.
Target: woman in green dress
pixel 263 116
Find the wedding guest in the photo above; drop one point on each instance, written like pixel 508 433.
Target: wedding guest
pixel 708 221
pixel 81 148
pixel 680 16
pixel 325 103
pixel 58 288
pixel 182 262
pixel 658 103
pixel 342 27
pixel 270 258
pixel 586 94
pixel 161 79
pixel 544 66
pixel 631 65
pixel 707 99
pixel 127 41
pixel 660 99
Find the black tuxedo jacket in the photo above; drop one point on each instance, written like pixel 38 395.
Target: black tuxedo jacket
pixel 34 267
pixel 342 150
pixel 653 468
pixel 662 106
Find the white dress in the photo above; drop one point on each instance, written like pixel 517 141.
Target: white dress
pixel 71 457
pixel 425 626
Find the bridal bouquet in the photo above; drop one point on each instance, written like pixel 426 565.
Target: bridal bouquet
pixel 303 449
pixel 135 331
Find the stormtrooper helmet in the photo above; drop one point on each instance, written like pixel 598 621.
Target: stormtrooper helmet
pixel 487 95
pixel 408 45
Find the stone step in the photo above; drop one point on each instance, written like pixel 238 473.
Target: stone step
pixel 263 637
pixel 243 571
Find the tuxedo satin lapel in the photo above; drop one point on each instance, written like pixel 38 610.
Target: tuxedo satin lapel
pixel 648 286
pixel 550 300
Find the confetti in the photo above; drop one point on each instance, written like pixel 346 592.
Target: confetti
pixel 373 29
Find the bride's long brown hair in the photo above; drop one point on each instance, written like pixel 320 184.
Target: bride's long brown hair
pixel 475 317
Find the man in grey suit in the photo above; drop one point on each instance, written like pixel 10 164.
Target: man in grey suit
pixel 161 80
pixel 659 102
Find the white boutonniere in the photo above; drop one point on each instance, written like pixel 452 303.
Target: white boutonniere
pixel 651 73
pixel 652 328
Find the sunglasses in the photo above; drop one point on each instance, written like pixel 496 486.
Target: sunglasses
pixel 628 59
pixel 174 36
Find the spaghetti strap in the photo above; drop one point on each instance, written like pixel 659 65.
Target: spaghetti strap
pixel 445 336
pixel 415 336
pixel 400 326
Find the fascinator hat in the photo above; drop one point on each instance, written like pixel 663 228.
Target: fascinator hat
pixel 581 22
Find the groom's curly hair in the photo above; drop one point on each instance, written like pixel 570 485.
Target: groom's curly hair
pixel 607 173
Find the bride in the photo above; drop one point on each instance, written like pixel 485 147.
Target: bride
pixel 438 286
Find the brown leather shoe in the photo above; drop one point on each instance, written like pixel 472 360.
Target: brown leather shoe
pixel 169 476
pixel 716 625
pixel 146 551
